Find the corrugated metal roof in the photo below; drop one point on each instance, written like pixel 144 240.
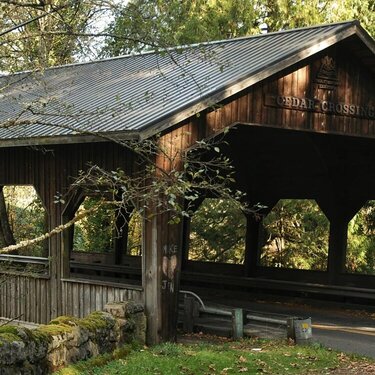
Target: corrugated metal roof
pixel 151 91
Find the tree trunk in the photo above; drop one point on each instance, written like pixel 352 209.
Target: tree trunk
pixel 6 231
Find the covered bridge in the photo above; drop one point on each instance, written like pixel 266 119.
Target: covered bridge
pixel 301 106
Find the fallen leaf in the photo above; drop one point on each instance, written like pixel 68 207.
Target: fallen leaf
pixel 225 370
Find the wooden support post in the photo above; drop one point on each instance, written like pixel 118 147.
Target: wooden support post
pixel 337 248
pixel 186 222
pixel 162 244
pixel 339 212
pixel 189 312
pixel 237 323
pixel 252 245
pixel 253 235
pixel 185 241
pixel 161 277
pixel 290 331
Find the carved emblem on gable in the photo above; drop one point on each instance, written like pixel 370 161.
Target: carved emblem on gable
pixel 327 74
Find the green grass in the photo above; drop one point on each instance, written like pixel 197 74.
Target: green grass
pixel 244 357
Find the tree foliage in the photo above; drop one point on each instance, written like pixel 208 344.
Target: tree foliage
pixel 296 236
pixel 217 232
pixel 361 241
pixel 155 24
pixel 288 14
pixel 135 225
pixel 95 233
pixel 160 24
pixel 53 39
pixel 72 30
pixel 26 217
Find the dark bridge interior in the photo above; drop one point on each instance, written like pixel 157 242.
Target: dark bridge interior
pixel 272 164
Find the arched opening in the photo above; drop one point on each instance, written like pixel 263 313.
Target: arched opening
pixel 295 235
pixel 217 233
pixel 106 243
pixel 23 219
pixel 360 254
pixel 95 233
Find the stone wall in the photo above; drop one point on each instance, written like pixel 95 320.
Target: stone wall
pixel 67 339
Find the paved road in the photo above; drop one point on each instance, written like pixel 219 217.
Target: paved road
pixel 337 326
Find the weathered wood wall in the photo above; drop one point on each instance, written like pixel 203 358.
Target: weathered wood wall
pixel 25 298
pixel 51 170
pixel 354 86
pixel 83 297
pixel 29 298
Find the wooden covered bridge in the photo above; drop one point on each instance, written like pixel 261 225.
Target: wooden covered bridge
pixel 301 108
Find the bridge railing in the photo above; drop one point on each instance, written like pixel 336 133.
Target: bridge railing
pixel 194 307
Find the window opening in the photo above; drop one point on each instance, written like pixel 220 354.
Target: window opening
pixel 106 244
pixel 23 217
pixel 295 235
pixel 217 232
pixel 95 233
pixel 360 255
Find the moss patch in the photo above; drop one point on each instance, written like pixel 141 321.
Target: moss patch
pixel 94 321
pixel 97 320
pixel 9 333
pixel 41 337
pixel 55 329
pixel 8 338
pixel 49 345
pixel 9 329
pixel 22 333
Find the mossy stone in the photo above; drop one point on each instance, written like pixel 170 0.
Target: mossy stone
pixel 97 320
pixel 55 329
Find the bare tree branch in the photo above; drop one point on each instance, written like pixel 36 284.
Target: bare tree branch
pixel 53 232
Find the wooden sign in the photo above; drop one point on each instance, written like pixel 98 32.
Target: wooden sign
pixel 321 106
pixel 326 78
pixel 327 75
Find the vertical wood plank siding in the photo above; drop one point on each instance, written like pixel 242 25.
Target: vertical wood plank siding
pixel 355 86
pixel 82 298
pixel 25 298
pixel 52 170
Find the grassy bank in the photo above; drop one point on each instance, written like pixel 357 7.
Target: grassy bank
pixel 245 357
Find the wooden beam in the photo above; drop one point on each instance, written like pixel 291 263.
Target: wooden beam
pixel 185 241
pixel 338 233
pixel 339 211
pixel 162 250
pixel 161 277
pixel 252 252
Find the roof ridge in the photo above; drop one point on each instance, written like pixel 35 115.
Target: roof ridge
pixel 194 45
pixel 350 22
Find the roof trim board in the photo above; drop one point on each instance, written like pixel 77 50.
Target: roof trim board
pixel 71 139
